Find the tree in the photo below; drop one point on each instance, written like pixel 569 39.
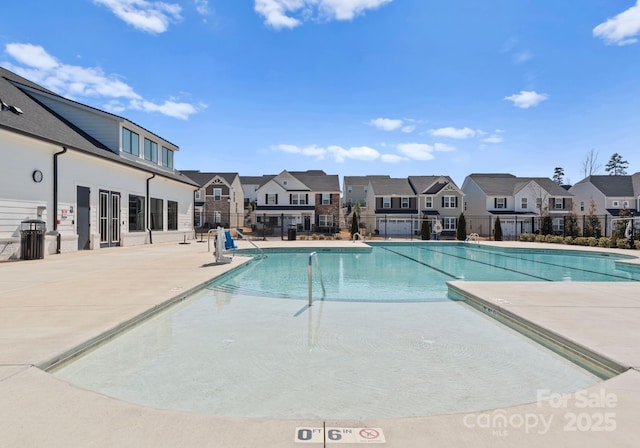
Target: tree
pixel 616 165
pixel 461 231
pixel 558 175
pixel 590 165
pixel 497 230
pixel 592 225
pixel 571 227
pixel 547 225
pixel 354 225
pixel 425 230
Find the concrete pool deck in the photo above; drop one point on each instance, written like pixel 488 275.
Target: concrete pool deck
pixel 51 307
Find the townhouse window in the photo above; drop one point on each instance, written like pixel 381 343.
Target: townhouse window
pixel 539 203
pixel 558 225
pixel 581 206
pixel 616 204
pixel 167 157
pixel 449 201
pixel 523 203
pixel 198 195
pixel 625 204
pixel 500 203
pixel 150 150
pixel 217 194
pixel 217 216
pixel 298 199
pixel 404 203
pixel 130 142
pixel 172 215
pixel 325 221
pixel 349 189
pixel 155 215
pixel 136 213
pixel 326 199
pixel 428 202
pixel 449 223
pixel 558 203
pixel 386 202
pixel 272 199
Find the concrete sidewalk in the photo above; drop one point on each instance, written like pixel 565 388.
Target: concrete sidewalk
pixel 53 307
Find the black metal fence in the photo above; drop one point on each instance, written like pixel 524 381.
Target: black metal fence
pixel 286 226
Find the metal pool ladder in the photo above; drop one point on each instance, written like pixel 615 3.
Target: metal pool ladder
pixel 310 275
pixel 472 237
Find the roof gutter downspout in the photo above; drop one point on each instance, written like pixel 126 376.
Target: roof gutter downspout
pixel 149 210
pixel 55 198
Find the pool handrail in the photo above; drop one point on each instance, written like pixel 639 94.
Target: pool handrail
pixel 310 276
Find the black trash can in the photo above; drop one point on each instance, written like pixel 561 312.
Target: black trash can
pixel 291 233
pixel 32 233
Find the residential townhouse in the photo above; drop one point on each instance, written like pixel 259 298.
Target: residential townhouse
pixel 219 201
pixel 304 200
pixel 392 207
pixel 94 179
pixel 519 202
pixel 439 200
pixel 607 197
pixel 354 189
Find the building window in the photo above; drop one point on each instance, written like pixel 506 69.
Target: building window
pixel 404 203
pixel 349 189
pixel 428 202
pixel 136 213
pixel 298 199
pixel 616 204
pixel 326 199
pixel 538 203
pixel 558 225
pixel 449 223
pixel 501 203
pixel 523 203
pixel 581 206
pixel 150 150
pixel 130 142
pixel 155 214
pixel 172 215
pixel 625 204
pixel 217 194
pixel 167 157
pixel 449 201
pixel 198 195
pixel 558 203
pixel 386 202
pixel 272 199
pixel 217 217
pixel 325 221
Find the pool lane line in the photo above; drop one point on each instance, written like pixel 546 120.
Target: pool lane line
pixel 557 265
pixel 448 274
pixel 489 264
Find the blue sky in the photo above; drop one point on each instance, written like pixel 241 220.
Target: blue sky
pixel 353 87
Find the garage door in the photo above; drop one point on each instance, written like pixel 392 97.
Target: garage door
pixel 395 226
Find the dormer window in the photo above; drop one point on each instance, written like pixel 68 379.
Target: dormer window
pixel 130 142
pixel 167 157
pixel 150 150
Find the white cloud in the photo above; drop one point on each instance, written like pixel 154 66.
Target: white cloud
pixel 408 129
pixel 149 16
pixel 202 7
pixel 442 147
pixel 393 158
pixel 356 153
pixel 278 13
pixel 416 151
pixel 527 98
pixel 73 81
pixel 451 132
pixel 493 139
pixel 310 151
pixel 622 29
pixel 386 124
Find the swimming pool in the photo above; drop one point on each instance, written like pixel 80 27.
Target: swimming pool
pixel 385 341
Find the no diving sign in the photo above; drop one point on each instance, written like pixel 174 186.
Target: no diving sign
pixel 339 435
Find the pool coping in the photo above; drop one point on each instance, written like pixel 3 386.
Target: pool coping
pixel 40 410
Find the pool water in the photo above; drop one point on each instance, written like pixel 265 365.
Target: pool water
pixel 384 341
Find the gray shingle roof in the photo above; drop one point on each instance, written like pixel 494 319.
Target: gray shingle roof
pixel 392 187
pixel 318 180
pixel 203 178
pixel 428 185
pixel 363 180
pixel 509 185
pixel 37 121
pixel 612 186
